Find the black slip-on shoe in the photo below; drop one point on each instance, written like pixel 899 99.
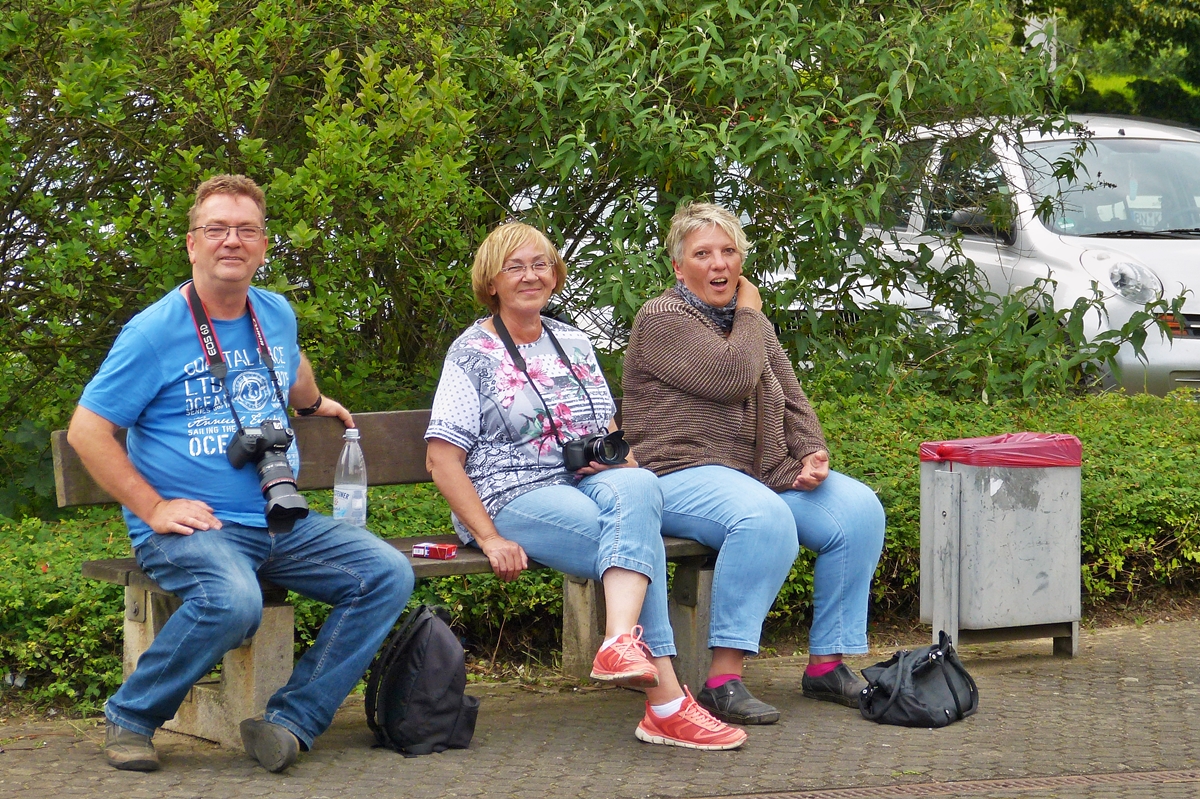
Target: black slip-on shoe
pixel 129 750
pixel 839 685
pixel 273 746
pixel 732 703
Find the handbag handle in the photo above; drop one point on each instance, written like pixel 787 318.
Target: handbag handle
pixel 875 715
pixel 945 649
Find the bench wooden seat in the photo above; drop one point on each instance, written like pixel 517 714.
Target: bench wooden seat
pixel 394 447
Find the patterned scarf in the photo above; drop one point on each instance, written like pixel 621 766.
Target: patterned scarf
pixel 721 317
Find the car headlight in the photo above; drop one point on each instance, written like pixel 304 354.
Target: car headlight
pixel 1128 278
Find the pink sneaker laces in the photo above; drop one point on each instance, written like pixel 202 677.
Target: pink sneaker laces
pixel 635 642
pixel 693 712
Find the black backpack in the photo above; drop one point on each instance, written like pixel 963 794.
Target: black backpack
pixel 928 687
pixel 415 690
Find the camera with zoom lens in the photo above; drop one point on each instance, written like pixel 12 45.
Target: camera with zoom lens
pixel 607 448
pixel 266 447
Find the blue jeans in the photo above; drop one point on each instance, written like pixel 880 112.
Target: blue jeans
pixel 610 519
pixel 758 534
pixel 213 571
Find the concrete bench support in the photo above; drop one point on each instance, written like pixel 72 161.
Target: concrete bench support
pixel 582 625
pixel 689 605
pixel 249 674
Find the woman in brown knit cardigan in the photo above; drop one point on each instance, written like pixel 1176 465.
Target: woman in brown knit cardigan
pixel 712 405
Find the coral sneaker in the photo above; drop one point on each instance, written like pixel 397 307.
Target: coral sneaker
pixel 692 727
pixel 626 662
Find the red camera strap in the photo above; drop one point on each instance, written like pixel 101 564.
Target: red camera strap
pixel 213 353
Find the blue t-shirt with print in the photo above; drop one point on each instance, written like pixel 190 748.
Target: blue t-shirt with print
pixel 155 382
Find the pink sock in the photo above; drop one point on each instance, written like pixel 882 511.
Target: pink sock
pixel 821 669
pixel 720 679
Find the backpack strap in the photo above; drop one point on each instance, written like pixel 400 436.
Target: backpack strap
pixel 392 650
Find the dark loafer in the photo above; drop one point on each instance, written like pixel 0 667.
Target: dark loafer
pixel 129 750
pixel 273 746
pixel 733 704
pixel 839 685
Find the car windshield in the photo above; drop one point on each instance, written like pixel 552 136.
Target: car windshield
pixel 1122 187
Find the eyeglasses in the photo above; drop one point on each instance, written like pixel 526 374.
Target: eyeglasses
pixel 539 268
pixel 247 233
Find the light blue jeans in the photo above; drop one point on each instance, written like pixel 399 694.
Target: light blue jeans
pixel 610 519
pixel 365 580
pixel 758 534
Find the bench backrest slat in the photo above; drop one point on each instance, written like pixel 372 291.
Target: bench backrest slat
pixel 393 445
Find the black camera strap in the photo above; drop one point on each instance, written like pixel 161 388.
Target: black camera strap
pixel 212 349
pixel 519 362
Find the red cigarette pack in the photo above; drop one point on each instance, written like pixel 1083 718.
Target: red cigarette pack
pixel 435 551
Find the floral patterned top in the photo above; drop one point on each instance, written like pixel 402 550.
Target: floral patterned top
pixel 485 405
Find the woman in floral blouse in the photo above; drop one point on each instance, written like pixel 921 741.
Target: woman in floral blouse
pixel 495 450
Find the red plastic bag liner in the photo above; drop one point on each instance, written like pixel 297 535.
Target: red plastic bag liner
pixel 1010 449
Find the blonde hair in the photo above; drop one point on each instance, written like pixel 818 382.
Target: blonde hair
pixel 496 249
pixel 697 216
pixel 238 185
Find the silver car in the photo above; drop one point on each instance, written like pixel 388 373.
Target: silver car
pixel 1127 222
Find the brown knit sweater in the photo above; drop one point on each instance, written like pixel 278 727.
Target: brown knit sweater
pixel 691 394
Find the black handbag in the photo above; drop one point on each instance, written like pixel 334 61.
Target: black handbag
pixel 927 687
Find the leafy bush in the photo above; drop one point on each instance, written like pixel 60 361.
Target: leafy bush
pixel 60 635
pixel 1140 526
pixel 390 135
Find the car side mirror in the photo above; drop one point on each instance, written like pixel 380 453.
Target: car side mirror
pixel 978 222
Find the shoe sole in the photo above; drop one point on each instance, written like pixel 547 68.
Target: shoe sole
pixel 769 717
pixel 269 750
pixel 651 738
pixel 637 679
pixel 136 764
pixel 737 718
pixel 848 701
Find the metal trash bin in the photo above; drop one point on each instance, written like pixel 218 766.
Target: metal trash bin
pixel 1000 538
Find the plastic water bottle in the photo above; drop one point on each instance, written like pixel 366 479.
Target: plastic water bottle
pixel 350 482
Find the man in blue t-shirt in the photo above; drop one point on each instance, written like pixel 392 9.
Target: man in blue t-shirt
pixel 196 523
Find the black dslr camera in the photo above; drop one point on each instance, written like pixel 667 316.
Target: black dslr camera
pixel 266 447
pixel 607 448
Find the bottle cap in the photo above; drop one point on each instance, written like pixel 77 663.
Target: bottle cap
pixel 351 434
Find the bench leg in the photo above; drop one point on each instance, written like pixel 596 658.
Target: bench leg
pixel 250 674
pixel 145 614
pixel 583 625
pixel 689 605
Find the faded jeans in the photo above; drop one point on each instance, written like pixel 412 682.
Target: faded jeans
pixel 609 519
pixel 758 533
pixel 214 572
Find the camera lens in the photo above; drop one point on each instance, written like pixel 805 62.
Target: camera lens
pixel 609 449
pixel 284 503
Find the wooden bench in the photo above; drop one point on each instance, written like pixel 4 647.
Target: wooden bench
pixel 394 448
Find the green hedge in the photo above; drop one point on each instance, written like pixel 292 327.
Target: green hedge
pixel 1140 512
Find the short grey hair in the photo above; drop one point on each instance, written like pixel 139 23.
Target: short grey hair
pixel 697 216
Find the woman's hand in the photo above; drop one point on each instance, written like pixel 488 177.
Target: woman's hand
pixel 747 295
pixel 507 558
pixel 815 470
pixel 595 467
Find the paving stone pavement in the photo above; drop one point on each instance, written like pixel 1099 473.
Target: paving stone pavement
pixel 1126 707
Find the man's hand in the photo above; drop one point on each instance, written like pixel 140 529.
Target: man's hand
pixel 182 516
pixel 507 558
pixel 815 470
pixel 331 407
